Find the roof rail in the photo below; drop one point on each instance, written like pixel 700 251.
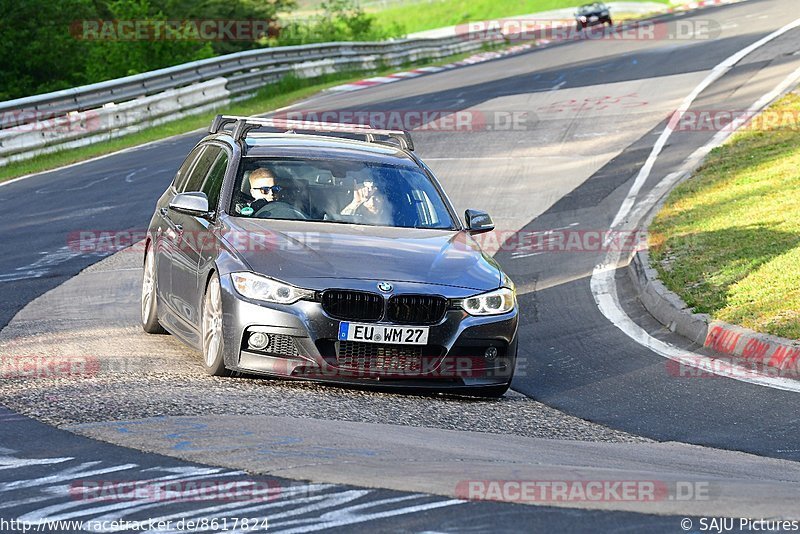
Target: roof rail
pixel 243 125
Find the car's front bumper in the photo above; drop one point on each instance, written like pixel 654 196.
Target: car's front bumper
pixel 305 347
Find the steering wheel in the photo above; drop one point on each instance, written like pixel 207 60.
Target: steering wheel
pixel 280 210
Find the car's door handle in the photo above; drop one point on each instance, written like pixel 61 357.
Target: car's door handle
pixel 179 227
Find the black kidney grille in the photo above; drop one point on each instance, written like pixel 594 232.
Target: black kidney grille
pixel 416 309
pixel 352 305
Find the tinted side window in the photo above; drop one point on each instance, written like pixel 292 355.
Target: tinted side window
pixel 183 172
pixel 200 170
pixel 213 182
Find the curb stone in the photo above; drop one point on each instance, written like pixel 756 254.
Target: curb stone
pixel 670 310
pixel 667 307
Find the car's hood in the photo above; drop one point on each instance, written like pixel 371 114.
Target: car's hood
pixel 315 255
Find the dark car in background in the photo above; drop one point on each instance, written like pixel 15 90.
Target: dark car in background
pixel 330 256
pixel 592 15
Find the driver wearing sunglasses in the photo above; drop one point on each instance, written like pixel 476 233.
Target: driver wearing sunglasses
pixel 263 190
pixel 262 185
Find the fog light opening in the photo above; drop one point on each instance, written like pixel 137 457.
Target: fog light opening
pixel 258 340
pixel 490 354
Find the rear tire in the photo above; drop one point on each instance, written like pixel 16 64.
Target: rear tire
pixel 149 314
pixel 213 339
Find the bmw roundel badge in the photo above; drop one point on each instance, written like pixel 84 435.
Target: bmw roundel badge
pixel 386 287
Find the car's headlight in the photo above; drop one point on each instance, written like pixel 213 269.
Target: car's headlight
pixel 493 303
pixel 257 287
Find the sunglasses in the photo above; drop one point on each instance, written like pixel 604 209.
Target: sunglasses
pixel 267 188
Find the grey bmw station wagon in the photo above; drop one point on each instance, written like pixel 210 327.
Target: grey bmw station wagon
pixel 330 255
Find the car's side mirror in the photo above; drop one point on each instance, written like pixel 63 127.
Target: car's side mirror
pixel 195 203
pixel 478 221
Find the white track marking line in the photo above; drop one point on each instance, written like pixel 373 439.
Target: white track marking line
pixel 716 73
pixel 603 284
pixel 74 473
pixel 345 517
pixel 8 462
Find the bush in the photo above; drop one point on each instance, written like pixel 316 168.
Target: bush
pixel 39 54
pixel 44 47
pixel 108 59
pixel 341 20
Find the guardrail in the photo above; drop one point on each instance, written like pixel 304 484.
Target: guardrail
pixel 64 119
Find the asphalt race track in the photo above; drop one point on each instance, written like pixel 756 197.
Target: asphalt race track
pixel 592 111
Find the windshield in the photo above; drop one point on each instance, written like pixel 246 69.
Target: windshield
pixel 338 191
pixel 591 8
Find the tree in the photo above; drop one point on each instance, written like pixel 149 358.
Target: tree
pixel 37 51
pixel 246 10
pixel 114 51
pixel 340 20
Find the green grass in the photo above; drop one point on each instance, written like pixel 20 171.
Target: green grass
pixel 284 93
pixel 428 15
pixel 728 239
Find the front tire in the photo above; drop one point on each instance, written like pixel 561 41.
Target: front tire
pixel 493 392
pixel 213 342
pixel 149 315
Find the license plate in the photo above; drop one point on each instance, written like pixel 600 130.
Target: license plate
pixel 376 333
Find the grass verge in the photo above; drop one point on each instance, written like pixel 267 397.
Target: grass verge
pixel 728 239
pixel 443 13
pixel 284 93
